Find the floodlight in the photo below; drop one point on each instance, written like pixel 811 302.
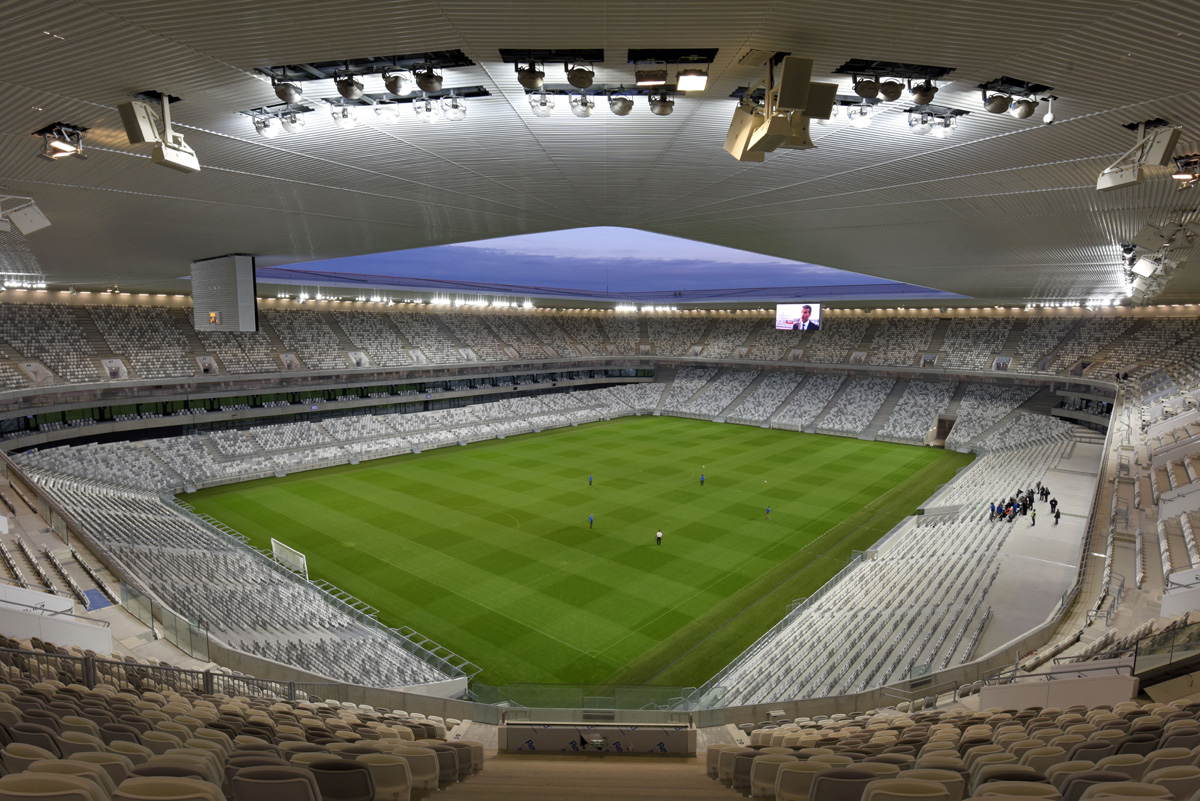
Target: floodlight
pixel 1023 108
pixel 691 80
pixel 60 141
pixel 867 88
pixel 997 104
pixel 944 127
pixel 454 108
pixel 268 127
pixel 387 112
pixel 287 91
pixel 890 90
pixel 919 125
pixel 398 83
pixel 530 77
pixel 580 77
pixel 654 77
pixel 293 121
pixel 344 117
pixel 428 80
pixel 541 104
pixel 620 105
pixel 582 106
pixel 922 94
pixel 661 104
pixel 1048 119
pixel 428 111
pixel 859 116
pixel 349 87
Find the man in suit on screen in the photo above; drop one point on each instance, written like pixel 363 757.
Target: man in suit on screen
pixel 805 324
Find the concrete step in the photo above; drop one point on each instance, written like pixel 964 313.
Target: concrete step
pixel 939 335
pixel 791 395
pixel 747 392
pixel 833 402
pixel 186 325
pixel 1014 336
pixel 885 411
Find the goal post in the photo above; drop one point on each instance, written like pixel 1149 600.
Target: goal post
pixel 289 557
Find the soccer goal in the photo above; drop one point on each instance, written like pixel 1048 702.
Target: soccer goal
pixel 289 557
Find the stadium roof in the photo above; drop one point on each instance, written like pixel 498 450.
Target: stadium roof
pixel 1004 211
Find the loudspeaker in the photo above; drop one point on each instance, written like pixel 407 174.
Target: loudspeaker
pixel 792 82
pixel 139 121
pixel 1119 178
pixel 737 141
pixel 28 219
pixel 770 134
pixel 224 294
pixel 821 97
pixel 799 139
pixel 1161 146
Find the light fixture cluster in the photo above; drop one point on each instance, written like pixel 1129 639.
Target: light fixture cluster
pixel 940 122
pixel 1187 170
pixel 1019 98
pixel 620 101
pixel 61 140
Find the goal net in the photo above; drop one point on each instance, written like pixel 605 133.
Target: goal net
pixel 289 557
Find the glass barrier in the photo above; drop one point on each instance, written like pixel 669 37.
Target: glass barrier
pixel 1159 650
pixel 189 636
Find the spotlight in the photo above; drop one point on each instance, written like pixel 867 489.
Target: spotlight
pixel 890 90
pixel 454 108
pixel 859 116
pixel 287 91
pixel 661 104
pixel 919 125
pixel 867 88
pixel 833 115
pixel 1023 108
pixel 530 77
pixel 398 83
pixel 944 127
pixel 922 93
pixel 996 104
pixel 691 80
pixel 344 117
pixel 387 112
pixel 60 141
pixel 620 105
pixel 579 77
pixel 428 111
pixel 654 77
pixel 582 106
pixel 293 121
pixel 268 127
pixel 349 87
pixel 541 104
pixel 428 80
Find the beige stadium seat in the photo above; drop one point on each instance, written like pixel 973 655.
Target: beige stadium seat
pixel 905 790
pixel 19 756
pixel 711 756
pixel 1023 789
pixel 138 754
pixel 953 781
pixel 73 767
pixel 422 767
pixel 477 754
pixel 793 781
pixel 390 775
pixel 840 784
pixel 117 766
pixel 48 787
pixel 1168 758
pixel 882 770
pixel 1125 790
pixel 1132 765
pixel 166 788
pixel 269 783
pixel 1182 781
pixel 1041 759
pixel 764 769
pixel 73 742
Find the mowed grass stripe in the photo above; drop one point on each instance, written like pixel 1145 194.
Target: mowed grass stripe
pixel 486 548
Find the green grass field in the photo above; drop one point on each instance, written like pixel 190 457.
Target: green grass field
pixel 486 548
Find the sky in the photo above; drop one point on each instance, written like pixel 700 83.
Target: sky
pixel 598 259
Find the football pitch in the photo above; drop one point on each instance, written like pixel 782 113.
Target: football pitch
pixel 486 549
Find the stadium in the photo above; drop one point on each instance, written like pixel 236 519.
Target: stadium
pixel 504 401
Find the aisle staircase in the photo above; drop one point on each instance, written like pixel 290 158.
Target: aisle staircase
pixel 520 777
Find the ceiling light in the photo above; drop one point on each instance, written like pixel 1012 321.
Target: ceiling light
pixel 692 79
pixel 890 90
pixel 60 140
pixel 398 83
pixel 268 127
pixel 349 87
pixel 293 121
pixel 387 112
pixel 654 77
pixel 944 127
pixel 620 105
pixel 541 104
pixel 661 104
pixel 922 93
pixel 344 117
pixel 919 125
pixel 867 88
pixel 1023 108
pixel 530 77
pixel 428 80
pixel 1048 119
pixel 287 91
pixel 582 106
pixel 428 111
pixel 454 108
pixel 859 116
pixel 996 104
pixel 581 77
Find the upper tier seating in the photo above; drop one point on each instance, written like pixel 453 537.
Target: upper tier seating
pixel 306 333
pixel 727 335
pixel 835 340
pixel 378 338
pixel 768 343
pixel 857 406
pixel 1041 335
pixel 900 341
pixel 810 399
pixel 51 335
pixel 674 336
pixel 242 352
pixel 148 339
pixel 623 332
pixel 971 342
pixel 1089 337
pixel 983 406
